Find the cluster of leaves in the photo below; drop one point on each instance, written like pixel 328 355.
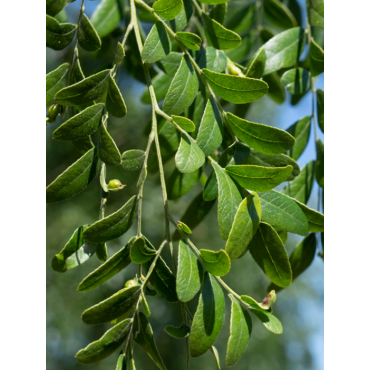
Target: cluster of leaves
pixel 198 65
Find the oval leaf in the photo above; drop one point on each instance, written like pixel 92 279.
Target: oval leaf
pixel 140 253
pixel 58 35
pixel 301 132
pixel 189 157
pixel 53 7
pixel 157 45
pixel 168 9
pixel 296 80
pixel 190 40
pixel 108 151
pixel 87 36
pixel 216 263
pixel 213 59
pixel 179 183
pixel 184 123
pixel 55 81
pixel 182 332
pixel 279 14
pixel 315 219
pixel 256 65
pixel 315 10
pixel 133 159
pixel 115 104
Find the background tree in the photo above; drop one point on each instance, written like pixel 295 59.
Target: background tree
pixel 200 59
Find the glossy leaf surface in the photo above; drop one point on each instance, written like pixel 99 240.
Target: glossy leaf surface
pixel 296 80
pixel 168 9
pixel 279 14
pixel 218 13
pixel 190 40
pixel 216 263
pixel 256 65
pixel 316 59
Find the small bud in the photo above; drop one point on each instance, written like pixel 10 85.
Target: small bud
pixel 269 300
pixel 115 185
pixel 233 69
pixel 53 112
pixel 130 283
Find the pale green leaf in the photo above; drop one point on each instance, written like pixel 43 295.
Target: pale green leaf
pixel 168 9
pixel 216 263
pixel 189 157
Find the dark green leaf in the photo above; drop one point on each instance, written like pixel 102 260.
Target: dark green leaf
pixel 218 13
pixel 281 212
pixel 300 188
pixel 178 184
pixel 115 104
pixel 161 83
pixel 296 80
pixel 108 151
pixel 140 253
pixel 315 219
pixel 144 337
pixel 101 251
pixel 107 270
pixel 256 65
pixel 229 199
pixel 320 162
pixel 316 59
pixel 210 131
pixel 122 361
pixel 189 157
pixel 58 35
pixel 189 273
pixel 183 89
pixel 120 53
pixel 216 263
pixel 284 49
pixel 171 63
pixel 182 19
pixel 190 40
pixel 195 213
pixel 218 36
pixel 114 225
pixel 213 2
pixel 301 132
pixel 276 90
pixel 82 124
pixel 320 108
pixel 235 89
pixel 209 317
pixel 259 178
pixel 315 10
pixel 182 332
pixel 213 59
pixel 107 16
pixel 278 14
pixel 53 7
pixel 184 123
pixel 265 139
pixel 242 20
pixel 168 9
pixel 116 305
pixel 83 145
pixel 75 252
pixel 245 225
pixel 157 45
pixel 240 332
pixel 75 178
pixel 55 81
pixel 87 36
pixel 270 254
pixel 86 91
pixel 133 159
pixel 106 345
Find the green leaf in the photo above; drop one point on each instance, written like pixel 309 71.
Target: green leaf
pixel 300 188
pixel 115 104
pixel 229 199
pixel 183 89
pixel 107 270
pixel 120 53
pixel 161 83
pixel 101 251
pixel 107 16
pixel 213 2
pixel 162 278
pixel 263 138
pixel 190 40
pixel 171 63
pixel 53 7
pixel 107 149
pixel 296 80
pixel 320 162
pixel 106 345
pixel 184 123
pixel 214 351
pixel 189 157
pixel 182 332
pixel 208 318
pixel 114 225
pixel 55 81
pixel 256 65
pixel 277 160
pixel 270 254
pixel 115 306
pixel 320 108
pixel 75 178
pixel 133 159
pixel 58 35
pixel 218 13
pixel 83 145
pixel 178 184
pixel 278 14
pixel 75 252
pixel 235 89
pixel 315 219
pixel 315 10
pixel 240 332
pixel 183 227
pixel 213 59
pixel 245 225
pixel 281 212
pixel 122 361
pixel 242 20
pixel 276 90
pixel 189 274
pixel 145 306
pixel 266 303
pixel 216 263
pixel 82 124
pixel 210 131
pixel 144 338
pixel 301 257
pixel 86 91
pixel 168 9
pixel 195 213
pixel 316 59
pixel 157 45
pixel 140 253
pixel 182 19
pixel 259 178
pixel 301 132
pixel 284 49
pixel 218 36
pixel 87 36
